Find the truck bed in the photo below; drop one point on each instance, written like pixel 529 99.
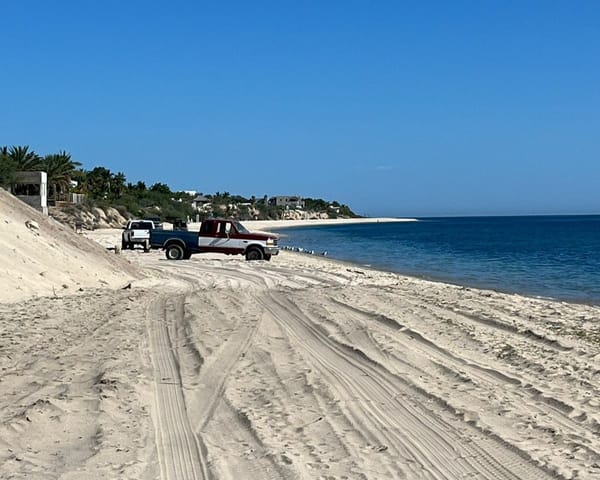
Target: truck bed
pixel 158 238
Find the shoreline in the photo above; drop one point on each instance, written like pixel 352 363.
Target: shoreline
pixel 506 276
pixel 443 281
pixel 446 281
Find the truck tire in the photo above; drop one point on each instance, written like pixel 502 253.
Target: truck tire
pixel 146 246
pixel 174 252
pixel 268 257
pixel 254 253
pixel 187 255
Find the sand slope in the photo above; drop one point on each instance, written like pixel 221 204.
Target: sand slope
pixel 52 259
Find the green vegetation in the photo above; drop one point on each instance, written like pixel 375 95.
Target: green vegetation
pixel 8 167
pixel 333 209
pixel 103 188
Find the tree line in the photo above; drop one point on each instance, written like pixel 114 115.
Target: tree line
pixel 103 188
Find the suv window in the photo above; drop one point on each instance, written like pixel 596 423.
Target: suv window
pixel 141 226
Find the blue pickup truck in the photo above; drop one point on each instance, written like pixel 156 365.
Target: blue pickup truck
pixel 215 235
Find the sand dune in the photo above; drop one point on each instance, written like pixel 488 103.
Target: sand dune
pixel 300 367
pixel 39 256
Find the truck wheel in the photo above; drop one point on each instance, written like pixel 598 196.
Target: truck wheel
pixel 254 253
pixel 187 255
pixel 174 252
pixel 123 245
pixel 268 257
pixel 146 246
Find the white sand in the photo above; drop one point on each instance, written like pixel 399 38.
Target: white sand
pixel 295 368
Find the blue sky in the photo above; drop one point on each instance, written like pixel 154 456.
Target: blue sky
pixel 395 108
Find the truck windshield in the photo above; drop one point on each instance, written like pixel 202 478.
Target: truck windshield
pixel 240 228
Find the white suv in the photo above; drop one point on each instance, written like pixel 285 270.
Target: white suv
pixel 137 232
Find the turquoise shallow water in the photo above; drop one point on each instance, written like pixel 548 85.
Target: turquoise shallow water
pixel 548 256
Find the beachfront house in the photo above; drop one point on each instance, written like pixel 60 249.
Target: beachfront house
pixel 32 188
pixel 288 201
pixel 200 203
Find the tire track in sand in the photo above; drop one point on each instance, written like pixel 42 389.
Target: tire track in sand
pixel 422 443
pixel 210 381
pixel 181 455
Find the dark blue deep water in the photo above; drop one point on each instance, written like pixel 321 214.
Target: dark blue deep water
pixel 548 256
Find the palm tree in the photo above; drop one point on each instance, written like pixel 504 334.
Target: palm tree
pixel 7 168
pixel 98 182
pixel 24 159
pixel 60 170
pixel 119 184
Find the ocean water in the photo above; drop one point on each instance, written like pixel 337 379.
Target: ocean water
pixel 547 256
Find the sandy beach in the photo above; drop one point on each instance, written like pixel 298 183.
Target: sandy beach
pixel 302 367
